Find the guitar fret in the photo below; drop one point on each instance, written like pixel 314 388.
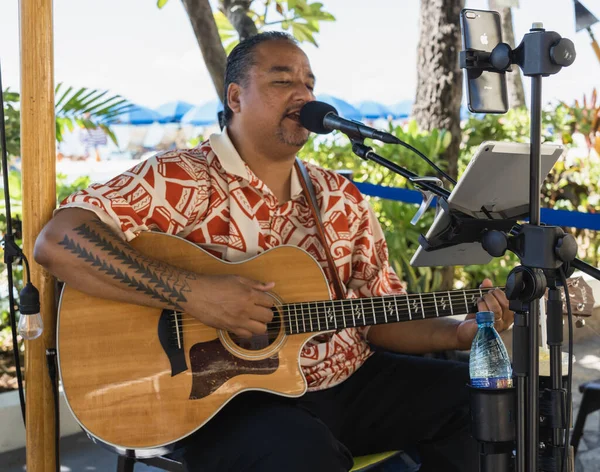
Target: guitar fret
pixel 363 312
pixel 437 313
pixel 296 315
pixel 303 324
pixel 310 319
pixel 332 315
pixel 408 305
pixel 450 301
pixel 343 313
pixel 373 307
pixel 353 312
pixel 384 311
pixel 466 303
pixel 319 318
pixel 422 309
pixel 397 312
pixel 290 319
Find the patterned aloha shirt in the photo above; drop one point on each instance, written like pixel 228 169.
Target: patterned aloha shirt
pixel 209 196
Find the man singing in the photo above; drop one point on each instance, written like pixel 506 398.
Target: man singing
pixel 237 195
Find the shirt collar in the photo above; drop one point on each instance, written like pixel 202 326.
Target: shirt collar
pixel 233 163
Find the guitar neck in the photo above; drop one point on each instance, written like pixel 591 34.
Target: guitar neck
pixel 311 317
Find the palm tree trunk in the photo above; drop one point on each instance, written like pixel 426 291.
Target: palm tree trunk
pixel 207 35
pixel 439 81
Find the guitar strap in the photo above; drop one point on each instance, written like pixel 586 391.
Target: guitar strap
pixel 311 198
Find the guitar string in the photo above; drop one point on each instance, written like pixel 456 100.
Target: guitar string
pixel 297 319
pixel 288 318
pixel 323 319
pixel 378 302
pixel 278 326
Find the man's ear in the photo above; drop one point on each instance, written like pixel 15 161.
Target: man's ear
pixel 233 97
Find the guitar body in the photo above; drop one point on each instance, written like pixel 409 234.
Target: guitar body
pixel 140 379
pixel 133 382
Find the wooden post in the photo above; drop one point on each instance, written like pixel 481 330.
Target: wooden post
pixel 38 154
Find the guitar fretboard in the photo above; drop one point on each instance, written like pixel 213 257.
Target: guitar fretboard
pixel 310 317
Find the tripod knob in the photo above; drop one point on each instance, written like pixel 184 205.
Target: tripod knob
pixel 500 57
pixel 566 248
pixel 562 53
pixel 494 242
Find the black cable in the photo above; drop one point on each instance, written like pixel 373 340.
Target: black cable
pixel 570 368
pixel 13 328
pixel 426 159
pixel 24 259
pixel 51 361
pixel 11 250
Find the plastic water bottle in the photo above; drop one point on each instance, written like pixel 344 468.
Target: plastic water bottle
pixel 489 365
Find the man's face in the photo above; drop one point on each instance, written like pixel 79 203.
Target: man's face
pixel 279 83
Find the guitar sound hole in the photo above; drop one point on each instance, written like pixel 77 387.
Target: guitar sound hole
pixel 260 341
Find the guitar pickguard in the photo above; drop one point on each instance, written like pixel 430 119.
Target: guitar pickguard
pixel 213 365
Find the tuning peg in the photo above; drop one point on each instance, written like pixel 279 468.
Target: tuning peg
pixel 579 322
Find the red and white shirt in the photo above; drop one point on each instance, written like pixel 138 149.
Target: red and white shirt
pixel 209 196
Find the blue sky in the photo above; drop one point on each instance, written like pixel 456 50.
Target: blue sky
pixel 150 56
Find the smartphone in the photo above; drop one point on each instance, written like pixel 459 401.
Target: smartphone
pixel 486 91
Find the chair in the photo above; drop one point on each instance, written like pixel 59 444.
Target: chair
pixel 361 464
pixel 590 402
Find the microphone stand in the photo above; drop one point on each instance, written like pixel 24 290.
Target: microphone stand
pixel 542 250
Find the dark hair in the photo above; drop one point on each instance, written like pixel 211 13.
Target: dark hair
pixel 239 61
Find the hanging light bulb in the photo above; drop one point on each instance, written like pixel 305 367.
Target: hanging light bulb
pixel 30 321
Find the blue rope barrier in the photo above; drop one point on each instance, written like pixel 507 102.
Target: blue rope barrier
pixel 573 219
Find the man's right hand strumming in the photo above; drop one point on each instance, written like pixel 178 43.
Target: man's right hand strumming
pixel 236 304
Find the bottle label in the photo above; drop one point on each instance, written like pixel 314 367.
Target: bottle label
pixel 492 382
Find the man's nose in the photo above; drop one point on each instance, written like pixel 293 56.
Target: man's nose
pixel 302 92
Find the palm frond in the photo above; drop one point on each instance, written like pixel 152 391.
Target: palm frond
pixel 88 108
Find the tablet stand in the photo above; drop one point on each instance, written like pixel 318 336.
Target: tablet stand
pixel 547 256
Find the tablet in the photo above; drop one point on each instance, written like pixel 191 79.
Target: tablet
pixel 495 184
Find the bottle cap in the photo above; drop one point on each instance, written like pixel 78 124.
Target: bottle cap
pixel 484 317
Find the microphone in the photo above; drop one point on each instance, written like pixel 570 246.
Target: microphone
pixel 322 118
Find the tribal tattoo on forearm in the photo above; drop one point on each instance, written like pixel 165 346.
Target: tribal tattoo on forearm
pixel 155 279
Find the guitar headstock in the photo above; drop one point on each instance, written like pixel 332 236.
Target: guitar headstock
pixel 581 296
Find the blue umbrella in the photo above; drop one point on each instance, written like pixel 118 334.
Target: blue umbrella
pixel 203 115
pixel 374 110
pixel 138 115
pixel 344 108
pixel 174 111
pixel 402 109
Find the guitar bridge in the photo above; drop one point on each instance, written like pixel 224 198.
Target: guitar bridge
pixel 170 335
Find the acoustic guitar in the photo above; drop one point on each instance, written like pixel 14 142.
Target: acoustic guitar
pixel 144 378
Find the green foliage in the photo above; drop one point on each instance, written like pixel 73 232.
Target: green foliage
pixel 83 107
pixel 298 17
pixel 12 122
pixel 586 119
pixel 63 189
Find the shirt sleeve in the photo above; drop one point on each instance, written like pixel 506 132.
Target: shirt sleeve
pixel 168 192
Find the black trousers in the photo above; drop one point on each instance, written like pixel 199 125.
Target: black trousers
pixel 392 402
